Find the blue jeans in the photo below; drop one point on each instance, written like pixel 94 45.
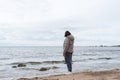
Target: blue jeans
pixel 68 60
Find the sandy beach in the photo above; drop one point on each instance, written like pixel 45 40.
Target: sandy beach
pixel 89 75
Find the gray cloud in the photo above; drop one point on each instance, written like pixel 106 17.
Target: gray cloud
pixel 43 22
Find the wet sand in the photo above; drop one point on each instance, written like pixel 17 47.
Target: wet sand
pixel 89 75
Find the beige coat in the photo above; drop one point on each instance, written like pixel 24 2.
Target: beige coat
pixel 68 44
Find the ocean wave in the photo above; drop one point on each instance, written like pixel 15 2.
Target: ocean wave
pixel 89 59
pixel 4 58
pixel 102 58
pixel 36 63
pixel 38 69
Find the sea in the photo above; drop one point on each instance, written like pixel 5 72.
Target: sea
pixel 36 57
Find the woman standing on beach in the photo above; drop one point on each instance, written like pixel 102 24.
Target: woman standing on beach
pixel 68 49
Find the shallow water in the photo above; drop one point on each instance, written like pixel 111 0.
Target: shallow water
pixel 84 58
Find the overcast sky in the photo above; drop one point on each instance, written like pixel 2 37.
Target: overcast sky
pixel 43 22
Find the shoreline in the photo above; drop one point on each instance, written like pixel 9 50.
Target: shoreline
pixel 113 74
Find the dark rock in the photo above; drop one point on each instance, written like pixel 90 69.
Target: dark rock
pixel 21 65
pixel 105 58
pixel 54 67
pixel 108 58
pixel 14 66
pixel 44 68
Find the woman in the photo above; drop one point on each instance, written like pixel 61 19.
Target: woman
pixel 68 49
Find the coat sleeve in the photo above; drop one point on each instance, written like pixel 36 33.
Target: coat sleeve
pixel 66 45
